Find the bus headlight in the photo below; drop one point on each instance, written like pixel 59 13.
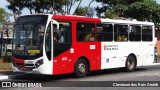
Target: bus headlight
pixel 38 63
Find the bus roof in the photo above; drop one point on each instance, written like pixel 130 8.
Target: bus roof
pixel 118 21
pixel 90 19
pixel 75 18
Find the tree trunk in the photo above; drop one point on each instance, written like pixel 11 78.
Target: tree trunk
pixel 15 15
pixel 30 11
pixel 90 4
pixel 77 6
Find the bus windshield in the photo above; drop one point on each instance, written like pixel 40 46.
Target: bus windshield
pixel 28 37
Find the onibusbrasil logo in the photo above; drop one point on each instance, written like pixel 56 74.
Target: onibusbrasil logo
pixel 21 84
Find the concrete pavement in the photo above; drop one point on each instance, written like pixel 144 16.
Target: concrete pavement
pixel 9 74
pixel 4 75
pixel 147 73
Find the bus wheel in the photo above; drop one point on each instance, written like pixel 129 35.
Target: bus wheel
pixel 130 63
pixel 81 68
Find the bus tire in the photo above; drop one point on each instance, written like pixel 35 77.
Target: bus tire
pixel 130 63
pixel 81 68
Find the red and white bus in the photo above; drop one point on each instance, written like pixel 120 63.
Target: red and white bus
pixel 55 44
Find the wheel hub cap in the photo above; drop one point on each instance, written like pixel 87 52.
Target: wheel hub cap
pixel 81 68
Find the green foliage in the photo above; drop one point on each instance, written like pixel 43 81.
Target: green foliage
pixel 110 14
pixel 16 7
pixel 139 9
pixel 82 11
pixel 113 3
pixel 42 6
pixel 117 6
pixel 148 10
pixel 4 16
pixel 142 10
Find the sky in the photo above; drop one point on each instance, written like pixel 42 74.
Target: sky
pixel 4 3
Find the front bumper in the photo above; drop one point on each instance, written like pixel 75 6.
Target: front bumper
pixel 45 68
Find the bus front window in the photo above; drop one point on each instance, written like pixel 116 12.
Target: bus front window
pixel 28 39
pixel 28 36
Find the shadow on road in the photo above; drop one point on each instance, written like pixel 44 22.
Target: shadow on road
pixel 114 71
pixel 9 73
pixel 46 78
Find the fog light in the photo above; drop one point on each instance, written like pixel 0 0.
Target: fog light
pixel 38 63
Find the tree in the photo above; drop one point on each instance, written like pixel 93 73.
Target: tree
pixel 117 6
pixel 113 3
pixel 64 6
pixel 101 10
pixel 38 6
pixel 29 5
pixel 51 6
pixel 110 14
pixel 4 16
pixel 13 8
pixel 16 7
pixel 149 10
pixel 85 10
pixel 82 11
pixel 43 6
pixel 90 11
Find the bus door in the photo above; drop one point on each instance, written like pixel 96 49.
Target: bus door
pixel 49 39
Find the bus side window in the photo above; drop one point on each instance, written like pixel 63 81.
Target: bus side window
pixel 104 32
pixel 120 33
pixel 147 33
pixel 135 33
pixel 85 32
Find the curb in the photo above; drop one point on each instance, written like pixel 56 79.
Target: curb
pixel 5 71
pixel 10 75
pixel 154 64
pixel 4 77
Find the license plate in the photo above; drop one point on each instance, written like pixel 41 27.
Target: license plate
pixel 29 62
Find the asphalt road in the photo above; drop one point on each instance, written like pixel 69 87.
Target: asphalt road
pixel 95 80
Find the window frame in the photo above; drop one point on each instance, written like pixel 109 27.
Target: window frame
pixel 121 24
pixel 149 33
pixel 87 32
pixel 105 32
pixel 136 33
pixel 70 31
